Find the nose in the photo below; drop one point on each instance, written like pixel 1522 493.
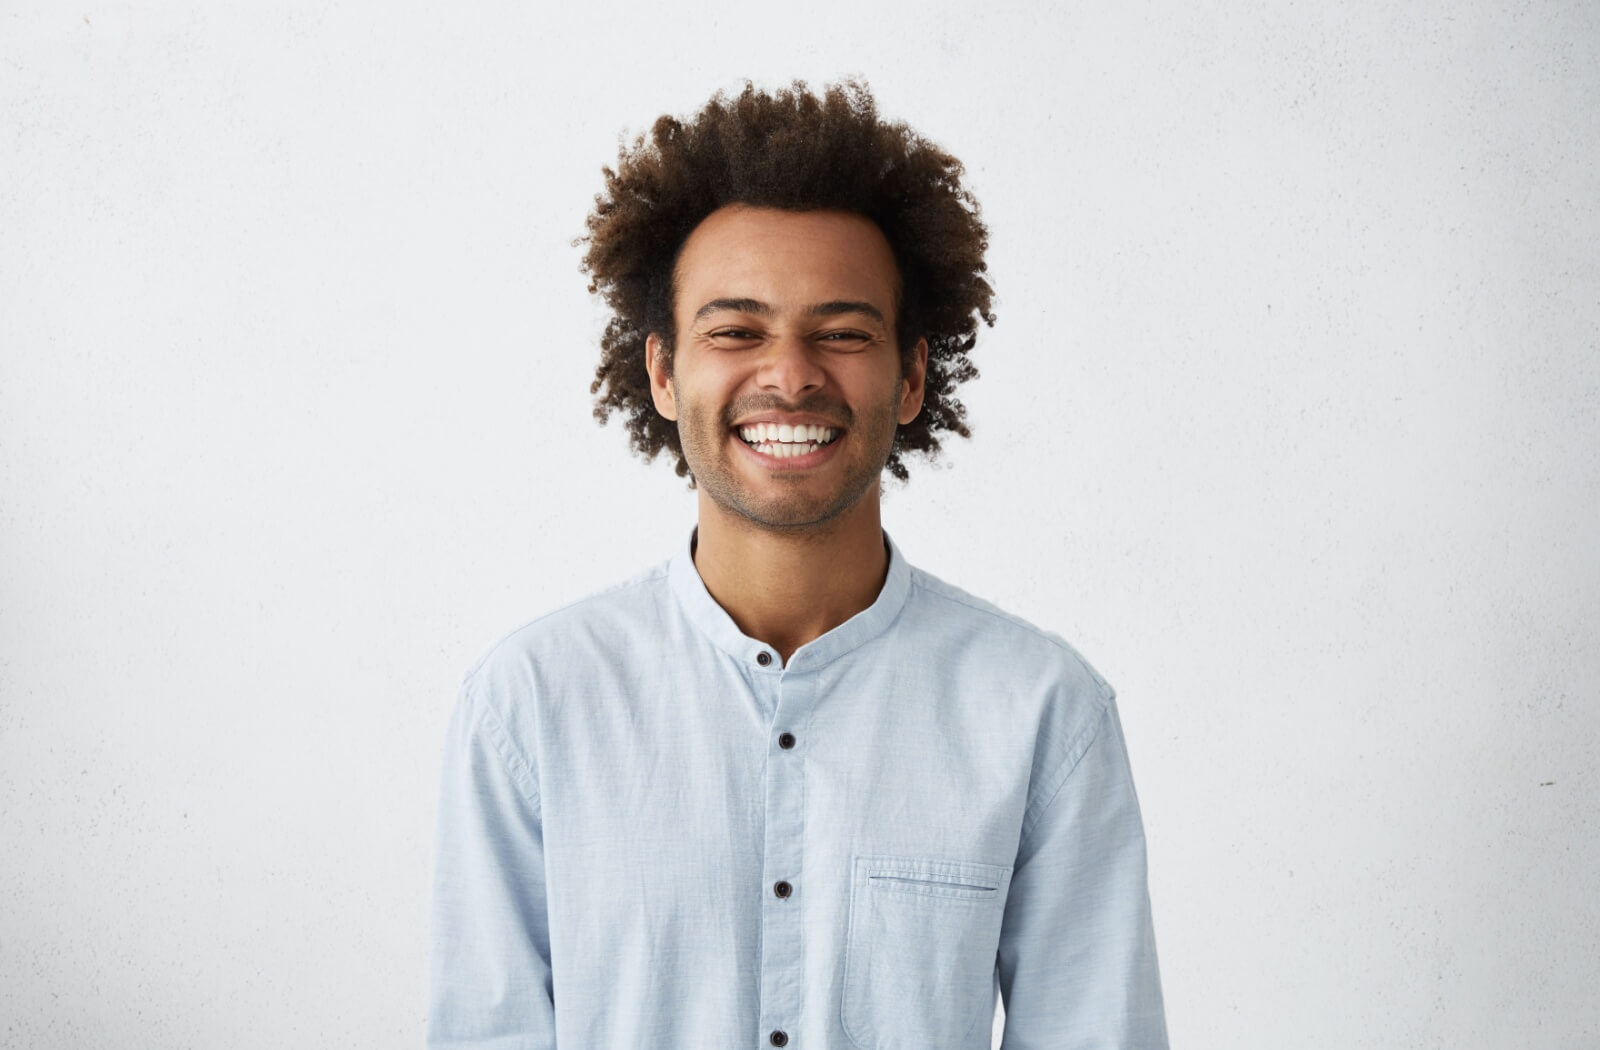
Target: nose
pixel 790 367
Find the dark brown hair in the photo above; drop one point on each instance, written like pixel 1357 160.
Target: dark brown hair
pixel 793 150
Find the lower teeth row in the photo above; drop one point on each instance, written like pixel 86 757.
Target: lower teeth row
pixel 786 450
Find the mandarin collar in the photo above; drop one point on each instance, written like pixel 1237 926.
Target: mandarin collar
pixel 713 620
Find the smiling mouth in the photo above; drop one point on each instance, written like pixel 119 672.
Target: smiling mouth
pixel 784 441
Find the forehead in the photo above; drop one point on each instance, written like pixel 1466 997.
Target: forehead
pixel 789 259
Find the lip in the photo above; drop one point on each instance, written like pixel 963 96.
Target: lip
pixel 786 464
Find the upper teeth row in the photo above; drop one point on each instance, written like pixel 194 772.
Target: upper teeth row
pixel 784 432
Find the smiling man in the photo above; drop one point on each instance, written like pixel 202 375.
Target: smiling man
pixel 786 789
pixel 787 389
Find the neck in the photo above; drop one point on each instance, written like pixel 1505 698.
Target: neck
pixel 787 588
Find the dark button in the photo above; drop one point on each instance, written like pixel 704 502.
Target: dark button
pixel 782 889
pixel 764 658
pixel 786 740
pixel 778 1038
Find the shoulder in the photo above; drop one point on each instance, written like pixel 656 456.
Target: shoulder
pixel 1036 675
pixel 990 632
pixel 601 620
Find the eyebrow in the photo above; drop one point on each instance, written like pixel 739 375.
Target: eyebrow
pixel 832 308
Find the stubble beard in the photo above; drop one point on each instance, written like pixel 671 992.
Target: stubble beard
pixel 705 435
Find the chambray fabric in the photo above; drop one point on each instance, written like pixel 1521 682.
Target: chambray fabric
pixel 955 818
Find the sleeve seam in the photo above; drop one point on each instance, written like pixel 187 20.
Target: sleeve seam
pixel 517 767
pixel 1079 747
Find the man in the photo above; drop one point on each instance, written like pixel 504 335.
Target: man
pixel 786 789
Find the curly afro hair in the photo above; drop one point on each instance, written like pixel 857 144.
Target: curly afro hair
pixel 796 151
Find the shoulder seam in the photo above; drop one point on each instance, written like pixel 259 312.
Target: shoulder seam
pixel 517 767
pixel 1080 745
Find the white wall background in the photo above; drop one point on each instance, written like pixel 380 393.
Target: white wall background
pixel 1291 422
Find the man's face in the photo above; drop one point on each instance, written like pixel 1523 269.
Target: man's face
pixel 785 322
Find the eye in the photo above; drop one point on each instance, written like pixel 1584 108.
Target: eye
pixel 844 338
pixel 733 333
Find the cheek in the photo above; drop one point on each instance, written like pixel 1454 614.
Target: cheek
pixel 705 399
pixel 699 418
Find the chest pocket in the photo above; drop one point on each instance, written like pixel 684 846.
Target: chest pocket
pixel 920 951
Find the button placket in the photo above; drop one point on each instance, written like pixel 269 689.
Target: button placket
pixel 782 954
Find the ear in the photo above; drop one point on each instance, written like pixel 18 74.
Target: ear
pixel 661 389
pixel 915 382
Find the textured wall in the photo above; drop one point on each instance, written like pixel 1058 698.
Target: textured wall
pixel 1291 422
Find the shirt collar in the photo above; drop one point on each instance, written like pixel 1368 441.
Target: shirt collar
pixel 714 622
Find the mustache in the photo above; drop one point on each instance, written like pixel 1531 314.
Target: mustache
pixel 816 405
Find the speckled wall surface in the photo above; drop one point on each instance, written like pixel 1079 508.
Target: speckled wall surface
pixel 1291 422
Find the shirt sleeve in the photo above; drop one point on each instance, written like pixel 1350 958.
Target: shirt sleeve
pixel 1077 958
pixel 489 980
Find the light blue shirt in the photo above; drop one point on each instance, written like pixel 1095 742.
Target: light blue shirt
pixel 653 835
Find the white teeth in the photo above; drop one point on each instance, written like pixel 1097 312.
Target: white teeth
pixel 784 439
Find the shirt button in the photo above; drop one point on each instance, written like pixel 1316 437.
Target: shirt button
pixel 764 658
pixel 778 1038
pixel 786 740
pixel 782 889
